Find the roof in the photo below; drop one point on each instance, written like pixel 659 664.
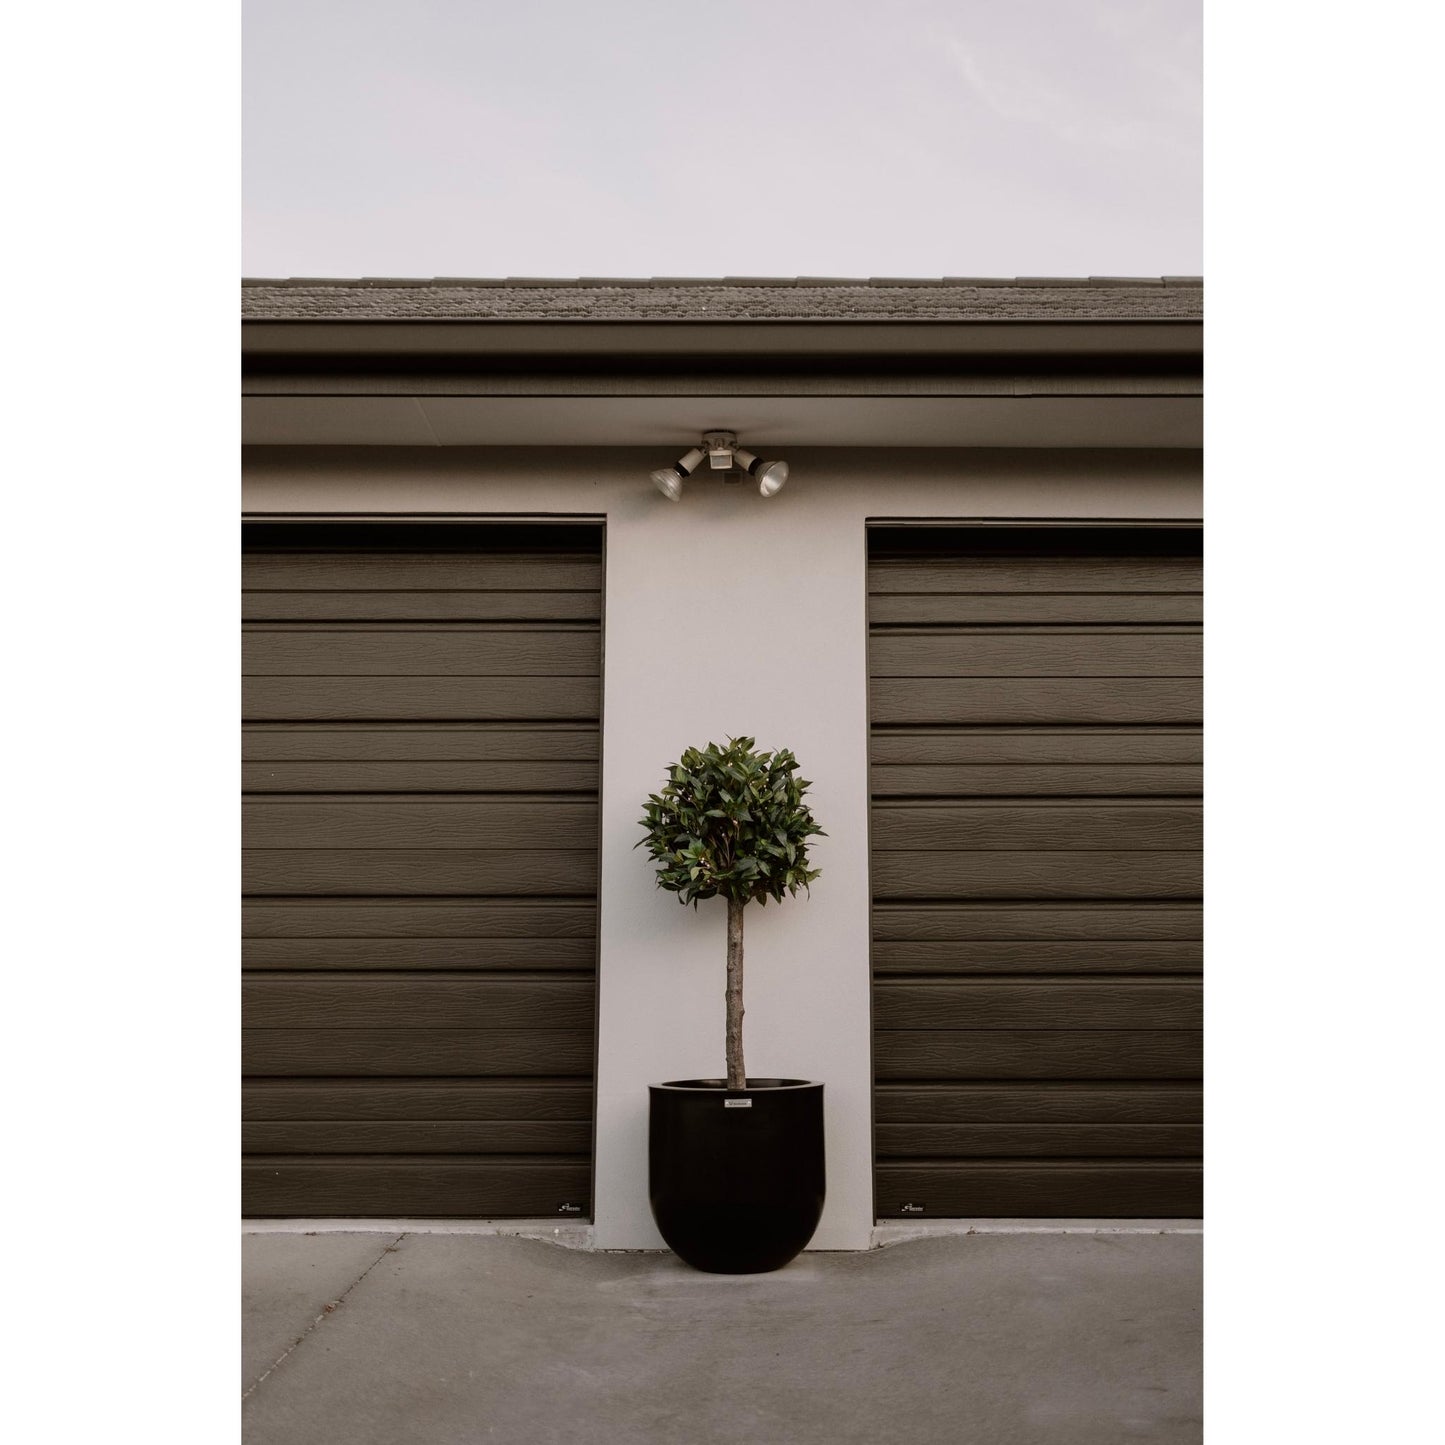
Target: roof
pixel 951 298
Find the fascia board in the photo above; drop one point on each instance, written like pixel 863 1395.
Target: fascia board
pixel 996 421
pixel 627 341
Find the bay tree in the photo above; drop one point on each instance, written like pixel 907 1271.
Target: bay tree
pixel 731 821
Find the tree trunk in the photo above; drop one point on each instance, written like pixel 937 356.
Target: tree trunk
pixel 737 1075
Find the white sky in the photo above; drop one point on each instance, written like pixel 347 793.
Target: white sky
pixel 734 137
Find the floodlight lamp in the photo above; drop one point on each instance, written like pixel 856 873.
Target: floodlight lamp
pixel 668 480
pixel 769 476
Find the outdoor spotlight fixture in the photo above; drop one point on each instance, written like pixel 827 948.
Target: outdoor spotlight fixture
pixel 723 454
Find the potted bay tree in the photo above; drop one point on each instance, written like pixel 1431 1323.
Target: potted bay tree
pixel 735 1164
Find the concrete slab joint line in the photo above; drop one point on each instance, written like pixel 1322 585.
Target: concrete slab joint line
pixel 328 1309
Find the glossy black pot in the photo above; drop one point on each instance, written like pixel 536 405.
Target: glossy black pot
pixel 736 1176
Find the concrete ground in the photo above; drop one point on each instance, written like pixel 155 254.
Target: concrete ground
pixel 1000 1339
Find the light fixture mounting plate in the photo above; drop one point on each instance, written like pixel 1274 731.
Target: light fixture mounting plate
pixel 720 446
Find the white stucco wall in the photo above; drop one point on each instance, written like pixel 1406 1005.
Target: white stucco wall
pixel 726 614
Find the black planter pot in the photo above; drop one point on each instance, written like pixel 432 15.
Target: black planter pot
pixel 736 1176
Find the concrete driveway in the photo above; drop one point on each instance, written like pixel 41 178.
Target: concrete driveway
pixel 431 1339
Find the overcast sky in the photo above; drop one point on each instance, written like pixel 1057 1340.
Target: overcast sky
pixel 722 137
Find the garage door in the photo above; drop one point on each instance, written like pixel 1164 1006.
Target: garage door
pixel 420 866
pixel 1035 741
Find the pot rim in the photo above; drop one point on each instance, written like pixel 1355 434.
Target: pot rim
pixel 713 1086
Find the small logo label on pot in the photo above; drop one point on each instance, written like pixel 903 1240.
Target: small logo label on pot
pixel 737 1103
pixel 913 1209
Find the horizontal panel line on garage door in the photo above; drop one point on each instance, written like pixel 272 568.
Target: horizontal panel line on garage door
pixel 426 900
pixel 999 896
pixel 1143 824
pixel 465 741
pixel 388 780
pixel 414 1186
pixel 995 638
pixel 906 1143
pixel 1084 1101
pixel 1055 609
pixel 908 808
pixel 422 1016
pixel 944 574
pixel 420 572
pixel 1073 701
pixel 433 872
pixel 1039 874
pixel 415 652
pixel 461 1080
pixel 419 1053
pixel 409 955
pixel 360 1100
pixel 517 700
pixel 430 607
pixel 1160 1016
pixel 1004 1168
pixel 349 845
pixel 397 804
pixel 544 627
pixel 995 1188
pixel 1058 956
pixel 421 977
pixel 495 1138
pixel 997 921
pixel 367 1160
pixel 1005 652
pixel 473 589
pixel 404 918
pixel 542 797
pixel 395 1188
pixel 946 1086
pixel 956 1054
pixel 931 625
pixel 363 821
pixel 374 980
pixel 907 1004
pixel 1125 977
pixel 1066 781
pixel 1100 743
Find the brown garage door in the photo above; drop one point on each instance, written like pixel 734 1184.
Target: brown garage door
pixel 1035 710
pixel 421 775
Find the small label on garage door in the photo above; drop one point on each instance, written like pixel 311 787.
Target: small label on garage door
pixel 912 1208
pixel 569 1208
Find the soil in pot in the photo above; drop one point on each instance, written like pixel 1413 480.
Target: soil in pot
pixel 736 1177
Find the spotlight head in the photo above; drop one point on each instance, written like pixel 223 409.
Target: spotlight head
pixel 771 477
pixel 668 482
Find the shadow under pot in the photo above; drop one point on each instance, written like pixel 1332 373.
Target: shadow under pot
pixel 736 1177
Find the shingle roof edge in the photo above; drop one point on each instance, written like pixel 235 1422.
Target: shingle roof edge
pixel 703 282
pixel 801 299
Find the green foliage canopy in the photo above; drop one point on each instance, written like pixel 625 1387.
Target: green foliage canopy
pixel 731 821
